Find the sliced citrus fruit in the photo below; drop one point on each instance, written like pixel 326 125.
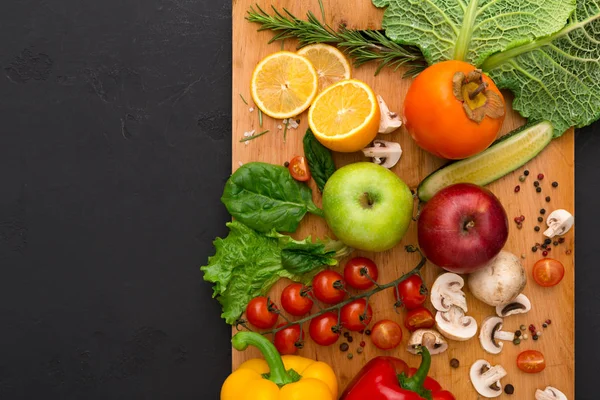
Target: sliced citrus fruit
pixel 331 64
pixel 345 116
pixel 284 84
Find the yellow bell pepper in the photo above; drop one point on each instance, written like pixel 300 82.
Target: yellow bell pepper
pixel 277 377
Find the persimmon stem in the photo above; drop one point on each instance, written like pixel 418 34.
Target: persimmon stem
pixel 482 86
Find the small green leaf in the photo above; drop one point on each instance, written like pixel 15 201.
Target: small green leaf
pixel 320 160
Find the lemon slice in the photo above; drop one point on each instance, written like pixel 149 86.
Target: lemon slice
pixel 345 116
pixel 331 64
pixel 284 84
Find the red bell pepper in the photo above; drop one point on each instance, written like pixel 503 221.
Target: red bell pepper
pixel 389 378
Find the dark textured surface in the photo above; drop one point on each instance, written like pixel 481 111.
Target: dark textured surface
pixel 114 148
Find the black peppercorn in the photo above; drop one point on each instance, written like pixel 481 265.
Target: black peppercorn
pixel 548 199
pixel 554 184
pixel 538 189
pixel 517 333
pixel 547 241
pixel 349 356
pixel 534 249
pixel 344 347
pixel 535 337
pixel 540 219
pixel 454 363
pixel 542 211
pixel 286 164
pixel 536 183
pixel 509 389
pixel 537 229
pixel 368 332
pixel 544 246
pixel 526 172
pixel 555 243
pixel 349 339
pixel 544 325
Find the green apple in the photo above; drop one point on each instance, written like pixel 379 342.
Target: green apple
pixel 367 206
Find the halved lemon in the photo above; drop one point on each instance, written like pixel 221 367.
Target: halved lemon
pixel 284 84
pixel 331 64
pixel 345 116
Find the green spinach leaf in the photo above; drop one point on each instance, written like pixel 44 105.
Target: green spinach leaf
pixel 471 30
pixel 265 196
pixel 320 160
pixel 247 263
pixel 556 77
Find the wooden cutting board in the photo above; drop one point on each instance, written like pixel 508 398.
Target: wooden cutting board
pixel 556 162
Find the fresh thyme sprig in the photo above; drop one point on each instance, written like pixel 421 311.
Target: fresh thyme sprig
pixel 362 45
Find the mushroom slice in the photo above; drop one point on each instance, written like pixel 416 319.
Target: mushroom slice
pixel 559 222
pixel 455 325
pixel 429 338
pixel 491 335
pixel 387 154
pixel 447 291
pixel 389 121
pixel 486 379
pixel 550 393
pixel 519 305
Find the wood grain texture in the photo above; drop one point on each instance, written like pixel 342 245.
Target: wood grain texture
pixel 556 162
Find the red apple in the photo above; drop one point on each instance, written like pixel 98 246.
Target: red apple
pixel 462 227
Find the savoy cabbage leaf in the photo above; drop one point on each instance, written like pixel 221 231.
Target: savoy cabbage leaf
pixel 556 77
pixel 471 30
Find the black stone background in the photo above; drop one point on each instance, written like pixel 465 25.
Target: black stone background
pixel 114 148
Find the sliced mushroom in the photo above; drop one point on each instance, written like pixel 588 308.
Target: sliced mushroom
pixel 429 338
pixel 491 335
pixel 455 325
pixel 387 154
pixel 486 379
pixel 519 305
pixel 550 393
pixel 447 291
pixel 389 121
pixel 559 222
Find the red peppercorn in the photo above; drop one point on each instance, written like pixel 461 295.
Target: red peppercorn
pixel 540 177
pixel 517 188
pixel 544 253
pixel 517 219
pixel 362 344
pixel 532 328
pixel 548 321
pixel 522 218
pixel 561 240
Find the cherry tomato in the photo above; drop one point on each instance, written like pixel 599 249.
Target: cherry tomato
pixel 260 312
pixel 324 287
pixel 437 119
pixel 412 292
pixel 288 340
pixel 531 361
pixel 295 300
pixel 323 330
pixel 386 334
pixel 419 318
pixel 354 317
pixel 354 273
pixel 548 272
pixel 299 169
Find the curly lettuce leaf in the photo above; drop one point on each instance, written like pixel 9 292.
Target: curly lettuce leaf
pixel 247 263
pixel 557 77
pixel 471 30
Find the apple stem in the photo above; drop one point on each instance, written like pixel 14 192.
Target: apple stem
pixel 470 225
pixel 364 295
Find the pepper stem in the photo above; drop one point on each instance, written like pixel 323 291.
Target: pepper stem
pixel 277 374
pixel 415 382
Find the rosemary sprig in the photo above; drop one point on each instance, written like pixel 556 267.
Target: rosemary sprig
pixel 254 136
pixel 362 45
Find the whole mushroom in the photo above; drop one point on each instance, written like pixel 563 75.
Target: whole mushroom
pixel 429 338
pixel 447 291
pixel 501 280
pixel 491 335
pixel 486 379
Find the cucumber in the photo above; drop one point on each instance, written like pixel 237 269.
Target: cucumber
pixel 504 155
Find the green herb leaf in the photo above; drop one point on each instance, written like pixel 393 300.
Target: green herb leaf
pixel 471 30
pixel 247 263
pixel 265 197
pixel 557 77
pixel 320 160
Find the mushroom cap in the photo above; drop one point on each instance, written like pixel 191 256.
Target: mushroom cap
pixel 455 325
pixel 550 393
pixel 499 281
pixel 518 305
pixel 390 152
pixel 447 291
pixel 487 335
pixel 486 379
pixel 429 338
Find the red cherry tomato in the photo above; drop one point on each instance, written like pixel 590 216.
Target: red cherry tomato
pixel 260 312
pixel 548 272
pixel 299 169
pixel 419 318
pixel 386 334
pixel 324 287
pixel 531 361
pixel 322 329
pixel 354 273
pixel 412 292
pixel 354 317
pixel 288 340
pixel 295 300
